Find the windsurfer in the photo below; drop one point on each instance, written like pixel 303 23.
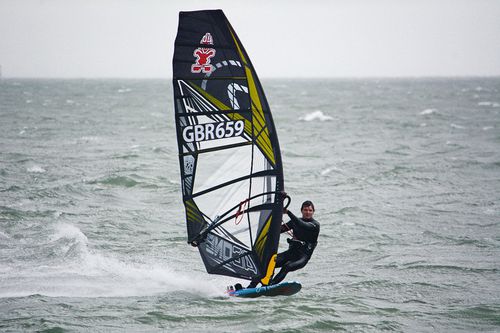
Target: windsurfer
pixel 301 245
pixel 304 232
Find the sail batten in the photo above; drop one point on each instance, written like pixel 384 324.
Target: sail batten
pixel 229 156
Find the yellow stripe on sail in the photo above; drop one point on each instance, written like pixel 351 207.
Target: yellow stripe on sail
pixel 223 107
pixel 263 141
pixel 261 241
pixel 218 104
pixel 192 212
pixel 237 45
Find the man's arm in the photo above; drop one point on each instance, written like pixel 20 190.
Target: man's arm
pixel 298 222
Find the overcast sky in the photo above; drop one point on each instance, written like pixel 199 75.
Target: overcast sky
pixel 308 38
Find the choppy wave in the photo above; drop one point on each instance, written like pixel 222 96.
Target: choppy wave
pixel 122 181
pixel 315 115
pixel 428 111
pixel 491 104
pixel 36 169
pixel 328 170
pixel 126 156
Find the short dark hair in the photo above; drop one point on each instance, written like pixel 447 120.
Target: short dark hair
pixel 307 203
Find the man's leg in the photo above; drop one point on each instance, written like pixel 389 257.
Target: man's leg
pixel 281 261
pixel 290 266
pixel 281 275
pixel 282 257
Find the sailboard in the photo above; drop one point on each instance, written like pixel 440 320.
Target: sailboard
pixel 229 156
pixel 280 289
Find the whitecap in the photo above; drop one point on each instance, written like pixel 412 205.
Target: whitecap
pixel 326 171
pixel 172 181
pixel 490 211
pixel 492 104
pixel 428 111
pixel 124 90
pixel 36 169
pixel 485 104
pixel 487 128
pixel 87 139
pixel 68 231
pixel 457 126
pixel 315 115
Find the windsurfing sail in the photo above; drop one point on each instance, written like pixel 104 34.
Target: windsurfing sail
pixel 230 162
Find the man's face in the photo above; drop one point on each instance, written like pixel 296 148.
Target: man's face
pixel 307 212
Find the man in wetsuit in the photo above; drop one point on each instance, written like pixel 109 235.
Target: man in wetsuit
pixel 302 245
pixel 305 237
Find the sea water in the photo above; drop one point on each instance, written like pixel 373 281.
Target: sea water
pixel 404 173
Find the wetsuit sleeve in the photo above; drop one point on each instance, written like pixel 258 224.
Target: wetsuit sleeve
pixel 299 223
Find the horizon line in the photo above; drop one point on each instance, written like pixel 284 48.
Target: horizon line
pixel 262 78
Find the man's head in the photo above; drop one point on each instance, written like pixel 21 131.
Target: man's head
pixel 307 210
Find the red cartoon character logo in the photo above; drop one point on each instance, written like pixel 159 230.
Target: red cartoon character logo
pixel 203 55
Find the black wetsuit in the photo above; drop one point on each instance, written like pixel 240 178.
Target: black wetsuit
pixel 305 239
